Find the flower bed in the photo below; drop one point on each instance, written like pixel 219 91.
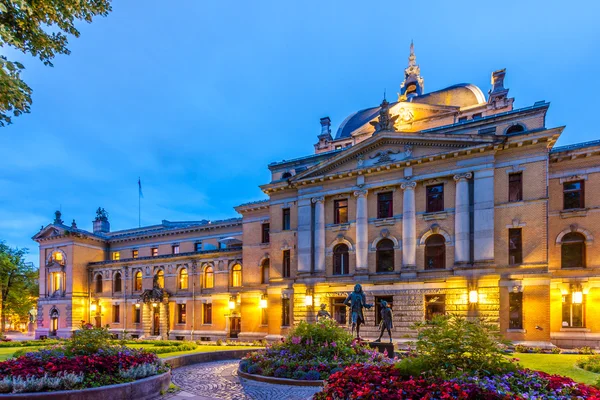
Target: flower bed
pixel 377 382
pixel 311 352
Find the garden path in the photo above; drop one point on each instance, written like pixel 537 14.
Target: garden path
pixel 219 381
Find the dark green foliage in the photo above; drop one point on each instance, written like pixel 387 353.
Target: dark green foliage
pixel 38 28
pixel 88 340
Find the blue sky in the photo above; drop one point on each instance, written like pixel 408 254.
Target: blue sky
pixel 198 98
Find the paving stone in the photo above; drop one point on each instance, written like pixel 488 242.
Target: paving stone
pixel 219 380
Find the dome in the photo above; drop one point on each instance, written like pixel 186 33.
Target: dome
pixel 461 95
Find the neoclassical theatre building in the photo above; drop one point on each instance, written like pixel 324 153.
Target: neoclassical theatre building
pixel 447 201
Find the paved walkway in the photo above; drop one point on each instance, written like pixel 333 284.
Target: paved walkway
pixel 219 381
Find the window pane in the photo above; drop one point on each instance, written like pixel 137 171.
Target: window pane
pixel 435 252
pixel 573 195
pixel 385 205
pixel 515 311
pixel 385 256
pixel 340 211
pixel 435 198
pixel 434 305
pixel 286 219
pixel 515 187
pixel 286 266
pixel 515 249
pixel 340 260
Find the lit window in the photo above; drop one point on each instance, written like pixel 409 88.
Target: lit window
pixel 340 211
pixel 573 311
pixel 134 254
pixel 181 314
pixel 183 279
pixel 209 278
pixel 434 305
pixel 58 257
pixel 175 249
pixel 56 281
pixel 137 314
pixel 154 251
pixel 160 275
pixel 236 276
pixel 138 281
pixel 116 255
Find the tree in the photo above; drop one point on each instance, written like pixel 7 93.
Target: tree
pixel 39 28
pixel 18 284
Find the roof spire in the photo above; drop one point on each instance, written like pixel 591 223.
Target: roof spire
pixel 413 82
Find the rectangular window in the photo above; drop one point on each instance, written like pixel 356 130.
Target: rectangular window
pixel 116 313
pixel 198 246
pixel 515 310
pixel 175 249
pixel 265 233
pixel 264 318
pixel 134 254
pixel 462 119
pixel 154 251
pixel 385 205
pixel 435 198
pixel 181 315
pixel 573 195
pixel 137 315
pixel 285 219
pixel 515 187
pixel 339 310
pixel 515 246
pixel 207 313
pixel 390 301
pixel 435 304
pixel 285 312
pixel 340 211
pixel 573 313
pixel 477 116
pixel 286 265
pixel 116 255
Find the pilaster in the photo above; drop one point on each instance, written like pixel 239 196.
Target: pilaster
pixel 362 231
pixel 409 227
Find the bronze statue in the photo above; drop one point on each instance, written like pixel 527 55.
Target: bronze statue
pixel 386 322
pixel 357 301
pixel 323 313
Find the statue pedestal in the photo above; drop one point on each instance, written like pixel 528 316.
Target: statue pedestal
pixel 383 347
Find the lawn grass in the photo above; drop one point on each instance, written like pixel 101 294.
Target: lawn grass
pixel 199 349
pixel 559 364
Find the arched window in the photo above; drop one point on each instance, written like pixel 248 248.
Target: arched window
pixel 99 283
pixel 236 275
pixel 137 284
pixel 341 260
pixel 573 250
pixel 209 278
pixel 183 278
pixel 160 278
pixel 266 266
pixel 286 175
pixel 53 322
pixel 58 257
pixel 515 129
pixel 435 252
pixel 117 282
pixel 385 256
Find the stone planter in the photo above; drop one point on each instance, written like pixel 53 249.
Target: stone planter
pixel 278 381
pixel 143 389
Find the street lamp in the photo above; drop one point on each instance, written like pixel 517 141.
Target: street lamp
pixel 308 298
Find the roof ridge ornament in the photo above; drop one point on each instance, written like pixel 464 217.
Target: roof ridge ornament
pixel 385 122
pixel 413 84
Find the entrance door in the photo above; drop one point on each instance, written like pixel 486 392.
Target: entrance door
pixel 156 323
pixel 235 326
pixel 53 324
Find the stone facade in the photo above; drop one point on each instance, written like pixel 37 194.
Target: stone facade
pixel 441 202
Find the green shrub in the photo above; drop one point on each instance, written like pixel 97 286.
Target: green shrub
pixel 219 342
pixel 537 350
pixel 555 350
pixel 591 363
pixel 585 350
pixel 181 346
pixel 521 348
pixel 452 345
pixel 88 340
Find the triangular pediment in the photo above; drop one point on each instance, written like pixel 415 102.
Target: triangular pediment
pixel 49 232
pixel 391 147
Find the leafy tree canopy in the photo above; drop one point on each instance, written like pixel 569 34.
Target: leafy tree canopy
pixel 38 28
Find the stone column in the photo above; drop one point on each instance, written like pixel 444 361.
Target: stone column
pixel 147 319
pixel 484 216
pixel 319 233
pixel 164 319
pixel 304 236
pixel 462 241
pixel 362 231
pixel 409 226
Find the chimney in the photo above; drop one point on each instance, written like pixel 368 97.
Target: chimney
pixel 101 224
pixel 325 126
